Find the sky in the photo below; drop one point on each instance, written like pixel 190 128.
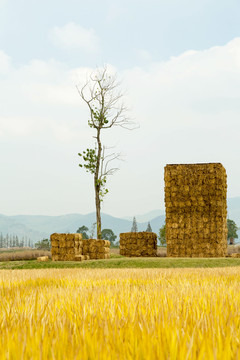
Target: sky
pixel 178 63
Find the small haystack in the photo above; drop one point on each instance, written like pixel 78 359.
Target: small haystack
pixel 138 244
pixel 72 247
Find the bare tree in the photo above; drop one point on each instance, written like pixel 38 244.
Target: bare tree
pixel 104 100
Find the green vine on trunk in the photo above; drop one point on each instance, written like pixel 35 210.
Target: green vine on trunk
pixel 89 158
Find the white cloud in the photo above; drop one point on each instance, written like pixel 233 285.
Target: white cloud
pixel 37 98
pixel 196 89
pixel 20 126
pixel 115 11
pixel 5 63
pixel 74 36
pixel 144 55
pixel 188 108
pixel 3 2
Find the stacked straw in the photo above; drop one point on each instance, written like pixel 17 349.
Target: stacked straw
pixel 96 249
pixel 73 247
pixel 196 210
pixel 138 244
pixel 63 246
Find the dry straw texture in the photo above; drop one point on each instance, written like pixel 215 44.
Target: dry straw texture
pixel 28 254
pixel 43 258
pixel 170 314
pixel 73 247
pixel 138 244
pixel 196 210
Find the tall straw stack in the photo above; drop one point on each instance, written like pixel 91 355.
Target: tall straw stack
pixel 73 247
pixel 138 244
pixel 196 210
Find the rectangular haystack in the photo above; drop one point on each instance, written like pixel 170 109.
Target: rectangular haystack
pixel 196 210
pixel 138 244
pixel 72 247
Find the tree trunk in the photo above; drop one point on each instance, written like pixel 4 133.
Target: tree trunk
pixel 98 213
pixel 98 187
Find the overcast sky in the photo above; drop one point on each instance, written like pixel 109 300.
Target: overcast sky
pixel 179 63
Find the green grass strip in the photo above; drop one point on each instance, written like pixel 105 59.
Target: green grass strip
pixel 123 262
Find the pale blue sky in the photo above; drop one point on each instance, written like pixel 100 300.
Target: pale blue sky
pixel 179 62
pixel 124 28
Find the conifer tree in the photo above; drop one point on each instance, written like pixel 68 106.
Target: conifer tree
pixel 1 241
pixel 134 225
pixel 149 229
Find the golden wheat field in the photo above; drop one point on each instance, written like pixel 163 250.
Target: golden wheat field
pixel 120 314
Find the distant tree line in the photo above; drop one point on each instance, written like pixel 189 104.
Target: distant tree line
pixel 44 244
pixel 9 241
pixel 107 234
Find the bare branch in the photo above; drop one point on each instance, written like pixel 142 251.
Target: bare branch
pixel 101 93
pixel 105 103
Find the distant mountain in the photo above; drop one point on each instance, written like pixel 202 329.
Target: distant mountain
pixel 38 227
pixel 8 225
pixel 146 217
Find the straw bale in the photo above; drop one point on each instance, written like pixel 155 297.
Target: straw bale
pixel 42 258
pixel 62 243
pixel 100 242
pixel 54 250
pixel 69 257
pixel 85 249
pixel 196 210
pixel 54 242
pixel 80 243
pixel 78 250
pixel 54 237
pixel 235 255
pixel 93 248
pixel 78 258
pixel 70 237
pixel 78 236
pixel 100 256
pixel 138 244
pixel 85 242
pixel 70 251
pixel 70 243
pixel 62 251
pixel 138 252
pixel 82 257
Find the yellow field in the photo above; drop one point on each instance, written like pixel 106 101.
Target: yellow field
pixel 120 314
